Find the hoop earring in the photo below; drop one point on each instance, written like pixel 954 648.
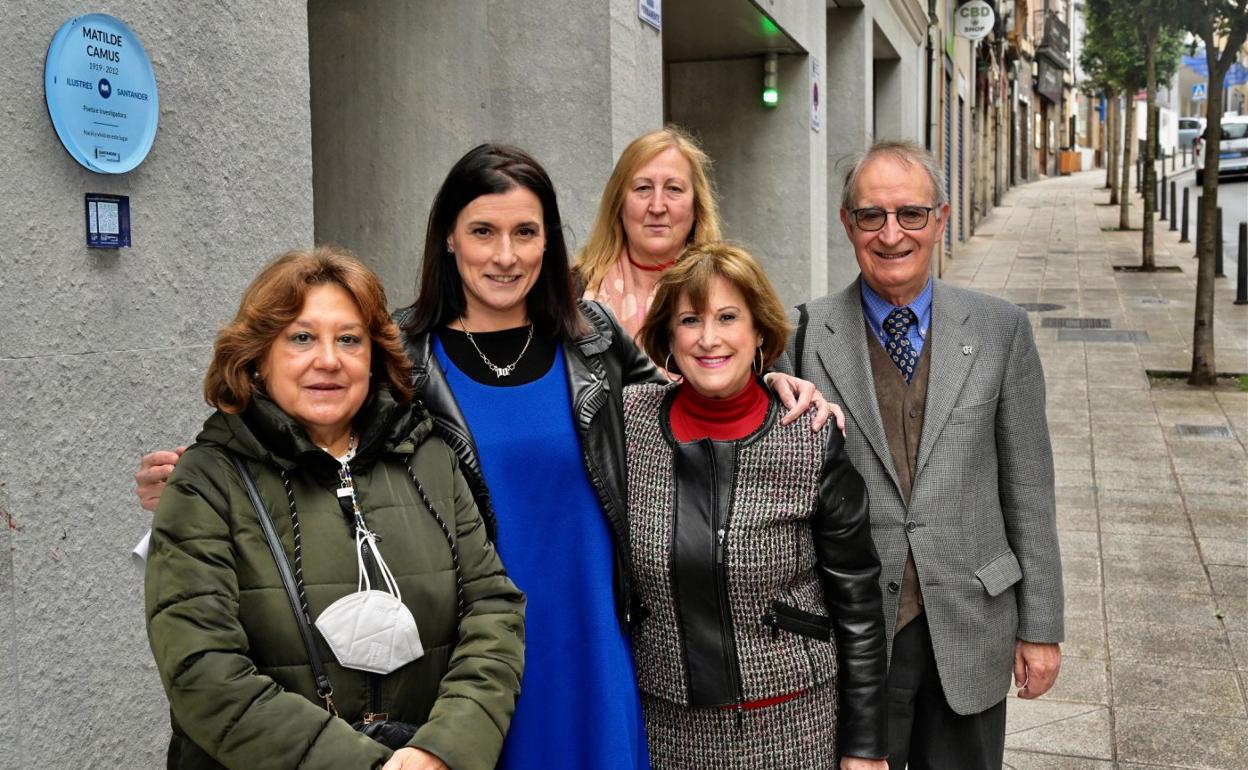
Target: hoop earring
pixel 758 360
pixel 668 370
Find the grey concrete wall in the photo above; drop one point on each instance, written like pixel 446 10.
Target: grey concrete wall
pixel 851 102
pixel 102 352
pixel 817 148
pixel 888 122
pixel 763 160
pixel 574 83
pixel 636 81
pixel 401 90
pixel 905 92
pixel 795 17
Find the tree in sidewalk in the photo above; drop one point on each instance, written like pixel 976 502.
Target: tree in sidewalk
pixel 1113 102
pixel 1095 59
pixel 1095 86
pixel 1223 22
pixel 1112 52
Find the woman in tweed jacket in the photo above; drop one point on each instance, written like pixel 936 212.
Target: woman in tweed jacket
pixel 751 545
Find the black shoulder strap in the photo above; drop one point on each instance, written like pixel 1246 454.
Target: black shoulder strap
pixel 799 339
pixel 323 687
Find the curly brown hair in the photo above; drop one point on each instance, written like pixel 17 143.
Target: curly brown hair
pixel 273 301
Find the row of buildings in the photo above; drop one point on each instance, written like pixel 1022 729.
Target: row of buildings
pixel 287 122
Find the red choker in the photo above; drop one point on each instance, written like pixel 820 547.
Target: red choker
pixel 649 268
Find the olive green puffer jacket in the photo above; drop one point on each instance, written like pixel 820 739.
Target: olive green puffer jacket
pixel 224 635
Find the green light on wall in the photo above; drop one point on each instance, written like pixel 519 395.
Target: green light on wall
pixel 768 26
pixel 771 86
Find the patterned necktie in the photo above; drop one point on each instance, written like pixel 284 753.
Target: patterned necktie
pixel 896 324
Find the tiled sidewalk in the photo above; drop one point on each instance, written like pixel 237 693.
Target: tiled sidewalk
pixel 1153 521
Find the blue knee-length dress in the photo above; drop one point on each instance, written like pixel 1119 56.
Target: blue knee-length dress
pixel 579 706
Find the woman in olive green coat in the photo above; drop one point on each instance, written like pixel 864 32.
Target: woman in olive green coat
pixel 310 386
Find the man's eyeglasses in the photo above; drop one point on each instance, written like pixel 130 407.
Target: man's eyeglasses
pixel 908 217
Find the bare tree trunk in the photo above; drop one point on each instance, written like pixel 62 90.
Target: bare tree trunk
pixel 1204 365
pixel 1149 259
pixel 1113 126
pixel 1128 140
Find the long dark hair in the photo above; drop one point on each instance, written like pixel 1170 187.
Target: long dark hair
pixel 490 169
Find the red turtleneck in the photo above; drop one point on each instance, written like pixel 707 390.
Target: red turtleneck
pixel 695 416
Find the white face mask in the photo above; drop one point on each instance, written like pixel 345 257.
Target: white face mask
pixel 371 630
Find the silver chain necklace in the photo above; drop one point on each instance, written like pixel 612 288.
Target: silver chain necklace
pixel 499 371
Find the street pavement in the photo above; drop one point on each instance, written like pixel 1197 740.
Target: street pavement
pixel 1152 485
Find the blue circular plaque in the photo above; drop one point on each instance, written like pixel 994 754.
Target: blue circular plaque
pixel 101 93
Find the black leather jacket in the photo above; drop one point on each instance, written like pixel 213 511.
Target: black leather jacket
pixel 599 365
pixel 746 608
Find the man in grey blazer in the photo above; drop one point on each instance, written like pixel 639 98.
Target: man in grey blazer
pixel 944 401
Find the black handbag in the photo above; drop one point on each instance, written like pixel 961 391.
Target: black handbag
pixel 388 732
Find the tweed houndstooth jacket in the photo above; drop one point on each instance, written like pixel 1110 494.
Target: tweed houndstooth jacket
pixel 981 521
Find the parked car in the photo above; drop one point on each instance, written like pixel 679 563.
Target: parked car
pixel 1189 129
pixel 1232 153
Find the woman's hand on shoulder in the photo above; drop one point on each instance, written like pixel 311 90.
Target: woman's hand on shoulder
pixel 414 759
pixel 800 395
pixel 858 763
pixel 154 470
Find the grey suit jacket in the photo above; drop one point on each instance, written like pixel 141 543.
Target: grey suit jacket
pixel 981 520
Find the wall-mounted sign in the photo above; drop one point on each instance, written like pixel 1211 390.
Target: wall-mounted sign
pixel 1049 81
pixel 651 12
pixel 101 93
pixel 973 20
pixel 108 221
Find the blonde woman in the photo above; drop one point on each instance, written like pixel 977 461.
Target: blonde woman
pixel 658 201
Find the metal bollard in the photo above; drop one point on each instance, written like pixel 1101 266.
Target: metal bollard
pixel 1183 237
pixel 1218 272
pixel 1200 208
pixel 1174 225
pixel 1241 277
pixel 1173 154
pixel 1162 207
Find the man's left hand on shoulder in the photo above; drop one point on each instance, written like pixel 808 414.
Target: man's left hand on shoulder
pixel 1036 666
pixel 800 395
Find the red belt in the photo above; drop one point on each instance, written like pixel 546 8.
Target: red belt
pixel 763 703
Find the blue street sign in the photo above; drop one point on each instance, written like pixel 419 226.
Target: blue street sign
pixel 1236 75
pixel 101 93
pixel 1199 92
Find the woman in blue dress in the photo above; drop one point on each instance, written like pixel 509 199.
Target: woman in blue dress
pixel 524 382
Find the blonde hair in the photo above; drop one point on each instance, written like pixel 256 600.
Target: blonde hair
pixel 606 237
pixel 691 276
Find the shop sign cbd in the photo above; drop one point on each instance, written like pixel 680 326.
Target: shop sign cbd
pixel 973 20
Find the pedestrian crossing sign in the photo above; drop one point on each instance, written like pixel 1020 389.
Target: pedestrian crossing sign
pixel 1199 92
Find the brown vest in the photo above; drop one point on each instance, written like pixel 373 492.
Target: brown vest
pixel 901 409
